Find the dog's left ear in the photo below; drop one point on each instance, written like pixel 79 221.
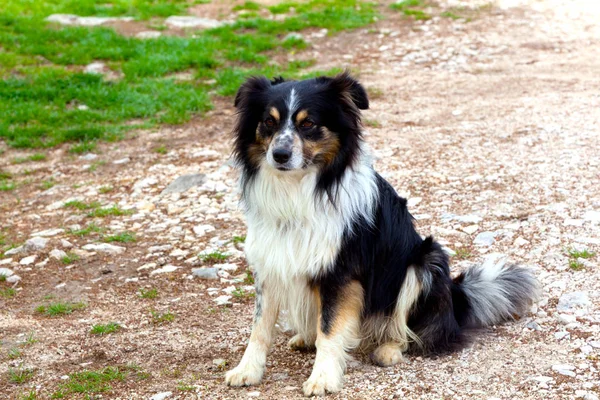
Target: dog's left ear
pixel 251 91
pixel 349 88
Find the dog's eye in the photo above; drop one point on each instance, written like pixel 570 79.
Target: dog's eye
pixel 307 124
pixel 269 122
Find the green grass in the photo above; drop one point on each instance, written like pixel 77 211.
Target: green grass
pixel 240 293
pixel 30 340
pixel 95 164
pixel 42 86
pixel 90 382
pixel 91 228
pixel 162 318
pixel 124 237
pixel 7 186
pixel 372 123
pixel 214 257
pixel 59 309
pixel 114 211
pixel 575 255
pixel 7 293
pixel 81 206
pixel 105 329
pixel 239 239
pixel 47 184
pixel 70 258
pixel 161 149
pixel 249 279
pixel 148 293
pixel 463 253
pixel 34 157
pixel 20 375
pixel 410 9
pixel 105 189
pixel 249 5
pixel 14 353
pixel 31 395
pixel 185 387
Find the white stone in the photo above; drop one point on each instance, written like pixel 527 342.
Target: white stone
pixel 413 201
pixel 27 260
pixel 564 369
pixel 202 230
pixel 57 254
pixel 6 272
pixel 485 239
pixel 148 34
pixel 253 394
pixel 229 289
pixel 94 68
pixel 166 269
pixel 104 248
pixel 66 244
pixel 88 156
pixel 222 300
pixel 161 396
pixel 471 229
pixel 14 251
pixel 192 22
pixel 566 319
pixel 48 232
pixel 70 19
pixel 520 242
pixel 226 267
pixel 593 216
pixel 147 266
pixel 6 261
pixel 35 244
pixel 122 161
pixel 572 301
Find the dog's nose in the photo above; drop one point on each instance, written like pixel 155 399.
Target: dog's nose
pixel 282 155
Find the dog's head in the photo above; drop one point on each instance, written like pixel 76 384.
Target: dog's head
pixel 294 125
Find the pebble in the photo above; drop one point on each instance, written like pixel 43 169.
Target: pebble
pixel 97 68
pixel 222 300
pixel 573 301
pixel 122 161
pixel 104 248
pixel 35 244
pixel 148 34
pixel 14 251
pixel 161 396
pixel 192 22
pixel 28 260
pixel 89 156
pixel 593 216
pixel 202 230
pixel 70 19
pixel 471 229
pixel 184 183
pixel 564 369
pixel 227 267
pixel 485 239
pixel 519 242
pixel 49 232
pixel 166 269
pixel 566 319
pixel 6 272
pixel 253 394
pixel 66 244
pixel 206 273
pixel 57 254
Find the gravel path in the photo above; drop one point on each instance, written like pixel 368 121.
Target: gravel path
pixel 491 128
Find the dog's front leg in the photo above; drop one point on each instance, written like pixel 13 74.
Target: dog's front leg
pixel 252 366
pixel 337 332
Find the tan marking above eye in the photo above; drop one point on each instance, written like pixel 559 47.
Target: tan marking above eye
pixel 302 114
pixel 275 113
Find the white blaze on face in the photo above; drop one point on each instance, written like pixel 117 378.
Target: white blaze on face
pixel 287 138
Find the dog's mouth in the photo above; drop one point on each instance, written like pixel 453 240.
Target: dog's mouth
pixel 282 168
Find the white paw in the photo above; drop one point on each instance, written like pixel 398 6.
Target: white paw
pixel 321 383
pixel 298 343
pixel 244 375
pixel 387 354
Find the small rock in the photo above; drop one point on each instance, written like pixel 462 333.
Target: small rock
pixel 485 239
pixel 574 300
pixel 58 254
pixel 293 36
pixel 14 251
pixel 104 248
pixel 202 230
pixel 121 161
pixel 219 362
pixel 566 319
pixel 184 183
pixel 534 326
pixel 35 244
pixel 48 232
pixel 471 229
pixel 520 242
pixel 456 113
pixel 163 270
pixel 561 335
pixel 6 272
pixel 161 396
pixel 223 300
pixel 564 369
pixel 28 260
pixel 148 34
pixel 253 394
pixel 66 244
pixel 593 216
pixel 205 273
pixel 95 68
pixel 89 156
pixel 192 22
pixel 226 267
pixel 413 201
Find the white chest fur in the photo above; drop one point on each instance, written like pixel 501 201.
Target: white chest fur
pixel 293 232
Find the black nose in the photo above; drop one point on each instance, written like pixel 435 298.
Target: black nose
pixel 282 155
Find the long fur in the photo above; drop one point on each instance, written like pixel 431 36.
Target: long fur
pixel 334 224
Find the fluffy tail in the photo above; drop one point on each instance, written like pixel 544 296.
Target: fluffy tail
pixel 493 292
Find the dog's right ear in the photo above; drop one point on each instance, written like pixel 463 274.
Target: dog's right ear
pixel 251 91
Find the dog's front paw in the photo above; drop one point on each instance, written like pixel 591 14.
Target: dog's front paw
pixel 244 375
pixel 320 383
pixel 387 354
pixel 298 343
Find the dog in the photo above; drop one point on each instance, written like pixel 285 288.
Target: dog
pixel 331 242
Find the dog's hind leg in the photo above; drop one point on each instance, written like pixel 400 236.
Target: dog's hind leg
pixel 252 366
pixel 337 332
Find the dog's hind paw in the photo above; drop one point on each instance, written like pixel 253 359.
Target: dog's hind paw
pixel 244 375
pixel 298 343
pixel 387 354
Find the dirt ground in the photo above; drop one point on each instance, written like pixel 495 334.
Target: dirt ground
pixel 490 126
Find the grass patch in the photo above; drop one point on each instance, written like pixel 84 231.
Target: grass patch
pixel 249 279
pixel 91 228
pixel 30 340
pixel 105 189
pixel 372 123
pixel 34 157
pixel 114 211
pixel 70 258
pixel 124 237
pixel 90 382
pixel 7 186
pixel 105 329
pixel 148 293
pixel 81 206
pixel 575 255
pixel 240 293
pixel 239 239
pixel 185 387
pixel 95 164
pixel 46 100
pixel 59 309
pixel 463 253
pixel 214 257
pixel 410 8
pixel 161 149
pixel 47 184
pixel 31 395
pixel 14 353
pixel 249 6
pixel 7 293
pixel 162 318
pixel 20 375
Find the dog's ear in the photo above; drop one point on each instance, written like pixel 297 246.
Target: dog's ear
pixel 250 91
pixel 348 89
